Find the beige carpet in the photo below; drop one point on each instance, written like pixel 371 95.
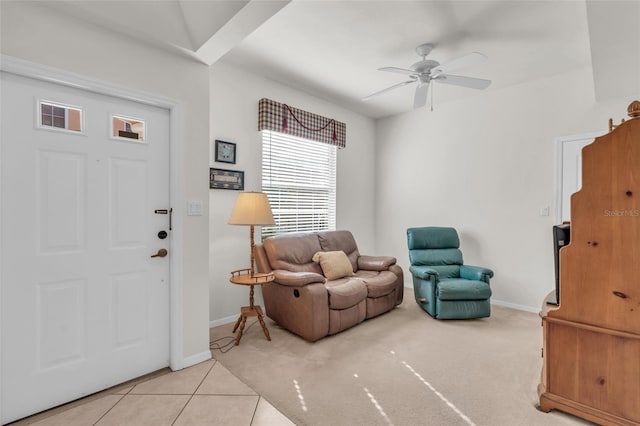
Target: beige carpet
pixel 402 368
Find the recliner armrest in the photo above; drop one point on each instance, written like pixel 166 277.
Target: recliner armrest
pixel 297 279
pixel 424 272
pixel 477 273
pixel 375 263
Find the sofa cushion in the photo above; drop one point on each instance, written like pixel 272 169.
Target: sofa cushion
pixel 378 283
pixel 376 263
pixel 460 289
pixel 293 252
pixel 334 264
pixel 345 292
pixel 340 240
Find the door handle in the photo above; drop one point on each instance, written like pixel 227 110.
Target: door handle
pixel 161 253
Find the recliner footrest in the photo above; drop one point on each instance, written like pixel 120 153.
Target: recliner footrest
pixel 461 289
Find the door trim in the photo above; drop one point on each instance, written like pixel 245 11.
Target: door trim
pixel 33 70
pixel 560 142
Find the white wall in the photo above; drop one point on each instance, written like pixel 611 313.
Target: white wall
pixel 42 35
pixel 234 117
pixel 486 166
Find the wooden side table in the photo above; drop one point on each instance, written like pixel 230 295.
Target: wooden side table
pixel 245 277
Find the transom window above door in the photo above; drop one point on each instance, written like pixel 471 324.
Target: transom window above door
pixel 59 116
pixel 128 128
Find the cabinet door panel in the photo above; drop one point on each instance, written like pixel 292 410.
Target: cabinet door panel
pixel 594 368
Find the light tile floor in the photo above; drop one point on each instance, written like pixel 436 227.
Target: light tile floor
pixel 204 394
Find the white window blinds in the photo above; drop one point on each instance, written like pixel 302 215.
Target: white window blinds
pixel 299 177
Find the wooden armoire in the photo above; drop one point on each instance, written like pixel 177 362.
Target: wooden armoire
pixel 591 341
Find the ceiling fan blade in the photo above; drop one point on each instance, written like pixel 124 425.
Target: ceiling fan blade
pixel 398 70
pixel 457 80
pixel 395 86
pixel 461 62
pixel 420 98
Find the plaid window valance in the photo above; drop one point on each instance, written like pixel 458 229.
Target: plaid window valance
pixel 282 118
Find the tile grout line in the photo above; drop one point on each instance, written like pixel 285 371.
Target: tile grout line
pixel 255 410
pixel 112 407
pixel 215 361
pixel 181 411
pixel 118 402
pixel 239 395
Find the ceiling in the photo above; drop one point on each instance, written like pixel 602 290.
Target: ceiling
pixel 332 49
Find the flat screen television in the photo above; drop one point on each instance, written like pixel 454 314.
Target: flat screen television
pixel 561 237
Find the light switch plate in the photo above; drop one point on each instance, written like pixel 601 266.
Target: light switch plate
pixel 194 208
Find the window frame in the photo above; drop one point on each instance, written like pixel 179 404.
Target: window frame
pixel 310 172
pixel 125 118
pixel 55 104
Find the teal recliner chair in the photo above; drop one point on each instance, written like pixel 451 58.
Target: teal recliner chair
pixel 443 286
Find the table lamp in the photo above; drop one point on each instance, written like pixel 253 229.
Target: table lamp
pixel 251 208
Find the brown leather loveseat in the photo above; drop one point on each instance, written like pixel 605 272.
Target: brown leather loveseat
pixel 304 301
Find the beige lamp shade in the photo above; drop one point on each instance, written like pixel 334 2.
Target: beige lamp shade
pixel 251 208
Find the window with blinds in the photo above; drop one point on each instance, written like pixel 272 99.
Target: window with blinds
pixel 299 177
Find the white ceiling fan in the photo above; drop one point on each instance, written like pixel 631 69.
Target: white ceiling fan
pixel 428 70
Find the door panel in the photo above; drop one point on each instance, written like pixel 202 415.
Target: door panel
pixel 62 201
pixel 62 333
pixel 129 296
pixel 127 180
pixel 84 306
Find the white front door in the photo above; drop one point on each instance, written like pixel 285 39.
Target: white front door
pixel 84 305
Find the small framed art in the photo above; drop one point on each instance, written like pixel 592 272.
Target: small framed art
pixel 225 152
pixel 226 179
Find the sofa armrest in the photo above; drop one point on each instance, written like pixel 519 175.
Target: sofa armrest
pixel 375 263
pixel 424 272
pixel 477 273
pixel 297 279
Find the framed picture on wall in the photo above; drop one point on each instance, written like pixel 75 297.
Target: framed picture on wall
pixel 225 152
pixel 226 179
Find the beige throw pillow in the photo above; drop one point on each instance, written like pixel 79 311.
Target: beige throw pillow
pixel 334 264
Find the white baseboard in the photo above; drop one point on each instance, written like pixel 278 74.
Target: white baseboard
pixel 525 308
pixel 193 360
pixel 223 321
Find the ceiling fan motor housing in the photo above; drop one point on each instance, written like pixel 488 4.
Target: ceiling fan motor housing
pixel 424 66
